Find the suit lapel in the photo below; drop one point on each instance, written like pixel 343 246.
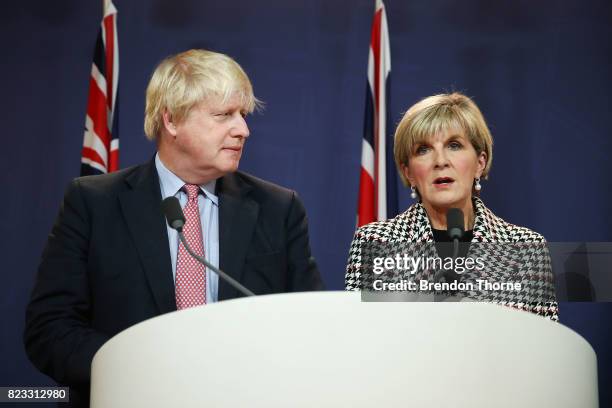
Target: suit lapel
pixel 421 227
pixel 141 208
pixel 482 231
pixel 237 219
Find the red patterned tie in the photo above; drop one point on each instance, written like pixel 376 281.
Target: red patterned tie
pixel 190 274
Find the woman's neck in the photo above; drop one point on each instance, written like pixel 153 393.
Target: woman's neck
pixel 437 215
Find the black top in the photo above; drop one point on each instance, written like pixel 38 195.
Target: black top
pixel 442 236
pixel 444 243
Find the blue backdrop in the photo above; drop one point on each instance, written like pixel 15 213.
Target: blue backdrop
pixel 540 71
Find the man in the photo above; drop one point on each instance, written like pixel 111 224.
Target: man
pixel 111 260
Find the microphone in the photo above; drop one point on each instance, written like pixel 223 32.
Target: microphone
pixel 455 229
pixel 454 222
pixel 173 212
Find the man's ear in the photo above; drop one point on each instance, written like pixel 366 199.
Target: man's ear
pixel 169 124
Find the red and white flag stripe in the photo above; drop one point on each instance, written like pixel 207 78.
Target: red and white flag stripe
pixel 100 152
pixel 373 195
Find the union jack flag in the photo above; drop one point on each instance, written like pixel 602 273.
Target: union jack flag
pixel 378 179
pixel 100 152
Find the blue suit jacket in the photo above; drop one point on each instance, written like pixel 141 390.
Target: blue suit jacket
pixel 106 265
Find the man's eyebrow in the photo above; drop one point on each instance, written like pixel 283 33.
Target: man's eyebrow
pixel 230 107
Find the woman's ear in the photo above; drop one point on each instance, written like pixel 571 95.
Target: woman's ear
pixel 407 175
pixel 482 163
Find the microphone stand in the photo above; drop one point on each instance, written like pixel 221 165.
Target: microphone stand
pixel 233 282
pixel 455 248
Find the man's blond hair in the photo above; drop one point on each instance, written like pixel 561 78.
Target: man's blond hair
pixel 183 80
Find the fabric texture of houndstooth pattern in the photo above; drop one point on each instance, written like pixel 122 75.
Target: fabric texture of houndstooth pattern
pixel 413 226
pixel 190 274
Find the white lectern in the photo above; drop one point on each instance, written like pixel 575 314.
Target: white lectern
pixel 329 349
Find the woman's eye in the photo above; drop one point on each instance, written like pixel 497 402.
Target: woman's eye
pixel 421 150
pixel 455 145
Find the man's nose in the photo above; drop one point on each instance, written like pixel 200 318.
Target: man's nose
pixel 240 127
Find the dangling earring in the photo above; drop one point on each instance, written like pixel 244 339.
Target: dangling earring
pixel 413 193
pixel 477 186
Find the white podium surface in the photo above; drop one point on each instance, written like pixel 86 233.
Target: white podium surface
pixel 329 349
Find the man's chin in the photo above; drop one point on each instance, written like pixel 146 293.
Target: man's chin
pixel 231 167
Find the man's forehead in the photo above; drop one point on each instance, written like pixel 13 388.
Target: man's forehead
pixel 219 103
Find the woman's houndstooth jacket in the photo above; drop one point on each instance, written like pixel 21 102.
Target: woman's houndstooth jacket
pixel 489 231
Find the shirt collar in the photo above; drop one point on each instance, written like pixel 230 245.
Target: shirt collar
pixel 171 183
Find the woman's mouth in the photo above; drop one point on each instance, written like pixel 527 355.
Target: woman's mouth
pixel 442 182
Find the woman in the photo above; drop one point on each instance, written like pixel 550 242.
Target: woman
pixel 443 149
